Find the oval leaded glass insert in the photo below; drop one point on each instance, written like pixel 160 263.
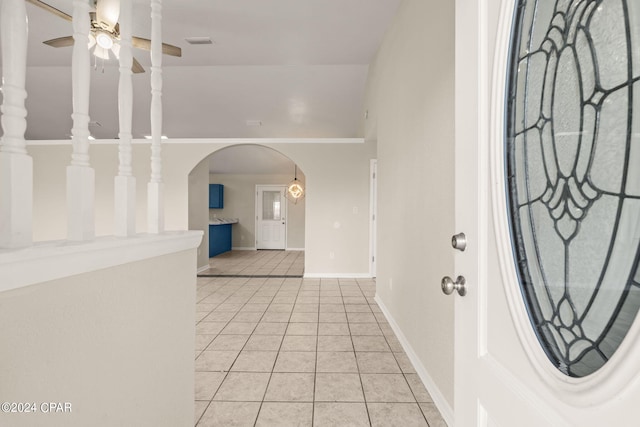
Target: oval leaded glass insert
pixel 573 173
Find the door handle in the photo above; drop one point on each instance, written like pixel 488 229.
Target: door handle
pixel 448 285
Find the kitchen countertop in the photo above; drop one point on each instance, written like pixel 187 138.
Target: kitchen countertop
pixel 223 221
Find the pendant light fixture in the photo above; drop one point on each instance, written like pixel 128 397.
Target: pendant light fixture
pixel 295 189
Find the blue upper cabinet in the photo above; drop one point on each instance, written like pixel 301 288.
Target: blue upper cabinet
pixel 216 196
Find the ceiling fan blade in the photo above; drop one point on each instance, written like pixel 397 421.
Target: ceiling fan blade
pixel 68 41
pixel 51 9
pixel 167 49
pixel 107 13
pixel 136 67
pixel 60 42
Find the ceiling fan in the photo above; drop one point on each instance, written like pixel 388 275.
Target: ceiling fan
pixel 104 34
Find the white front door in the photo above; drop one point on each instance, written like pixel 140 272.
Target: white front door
pixel 271 214
pixel 503 375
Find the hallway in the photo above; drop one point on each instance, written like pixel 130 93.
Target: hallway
pixel 303 352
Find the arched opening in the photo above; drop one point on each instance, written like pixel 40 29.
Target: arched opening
pixel 237 197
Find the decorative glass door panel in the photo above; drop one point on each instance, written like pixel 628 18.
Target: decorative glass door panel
pixel 573 173
pixel 271 202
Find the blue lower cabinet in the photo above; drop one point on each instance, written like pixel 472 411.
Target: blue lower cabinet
pixel 219 239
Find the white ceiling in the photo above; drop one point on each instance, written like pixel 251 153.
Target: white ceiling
pixel 297 66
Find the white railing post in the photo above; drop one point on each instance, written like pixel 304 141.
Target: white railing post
pixel 155 201
pixel 80 176
pixel 125 182
pixel 16 166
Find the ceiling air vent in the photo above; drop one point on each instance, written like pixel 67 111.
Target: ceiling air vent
pixel 199 40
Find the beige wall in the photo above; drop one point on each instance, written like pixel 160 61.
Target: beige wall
pixel 411 115
pixel 240 202
pixel 116 343
pixel 199 208
pixel 337 201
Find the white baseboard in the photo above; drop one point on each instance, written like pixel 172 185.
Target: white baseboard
pixel 337 276
pixel 203 268
pixel 246 248
pixel 438 398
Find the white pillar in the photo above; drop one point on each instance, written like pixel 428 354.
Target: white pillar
pixel 16 166
pixel 155 188
pixel 125 182
pixel 80 176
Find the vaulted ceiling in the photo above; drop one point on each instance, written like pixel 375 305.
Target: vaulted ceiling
pixel 276 68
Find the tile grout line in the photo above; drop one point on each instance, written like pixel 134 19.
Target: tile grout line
pixel 315 370
pixel 238 355
pixel 277 355
pixel 364 397
pixel 226 374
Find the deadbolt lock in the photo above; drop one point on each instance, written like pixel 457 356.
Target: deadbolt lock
pixel 459 241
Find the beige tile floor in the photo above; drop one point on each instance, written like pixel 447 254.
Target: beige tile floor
pixel 301 352
pixel 257 263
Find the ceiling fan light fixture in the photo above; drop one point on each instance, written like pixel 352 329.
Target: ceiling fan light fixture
pixel 116 50
pixel 101 53
pixel 92 41
pixel 104 40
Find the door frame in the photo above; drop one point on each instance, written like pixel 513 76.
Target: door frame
pixel 373 212
pixel 285 209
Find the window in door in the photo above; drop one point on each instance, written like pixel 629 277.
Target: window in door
pixel 573 174
pixel 271 205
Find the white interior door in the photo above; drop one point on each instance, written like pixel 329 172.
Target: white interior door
pixel 271 214
pixel 503 376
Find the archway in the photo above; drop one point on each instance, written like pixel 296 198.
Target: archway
pixel 229 246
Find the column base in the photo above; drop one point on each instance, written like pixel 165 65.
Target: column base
pixel 125 206
pixel 16 200
pixel 155 207
pixel 80 203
